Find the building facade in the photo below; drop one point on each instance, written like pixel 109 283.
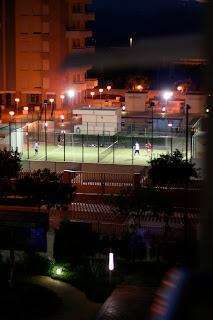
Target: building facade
pixel 35 38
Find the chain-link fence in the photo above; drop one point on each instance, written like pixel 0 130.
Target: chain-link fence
pixel 35 141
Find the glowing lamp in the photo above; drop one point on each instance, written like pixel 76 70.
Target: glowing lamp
pixel 62 96
pixel 51 100
pixel 111 261
pixel 170 125
pixel 25 108
pixel 71 93
pixel 11 113
pixel 167 95
pixel 123 108
pixel 17 100
pixel 164 109
pixel 58 271
pixel 109 88
pixel 101 90
pixel 46 124
pixel 92 93
pixel 179 88
pixel 62 117
pixel 139 87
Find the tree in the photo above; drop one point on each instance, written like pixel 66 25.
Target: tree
pixel 137 81
pixel 171 169
pixel 10 164
pixel 136 203
pixel 45 187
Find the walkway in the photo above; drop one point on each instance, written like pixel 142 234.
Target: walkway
pixel 127 302
pixel 76 306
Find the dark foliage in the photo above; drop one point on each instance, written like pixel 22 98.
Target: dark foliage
pixel 10 164
pixel 171 169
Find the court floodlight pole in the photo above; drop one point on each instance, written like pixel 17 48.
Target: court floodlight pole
pixel 28 147
pixel 98 148
pixel 64 146
pixel 45 127
pixel 113 149
pixel 10 146
pixel 82 147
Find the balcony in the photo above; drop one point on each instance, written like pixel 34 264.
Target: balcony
pixel 78 33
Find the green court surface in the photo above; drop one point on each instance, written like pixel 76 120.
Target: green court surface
pixel 123 156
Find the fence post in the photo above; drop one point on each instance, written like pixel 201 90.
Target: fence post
pixel 82 147
pixel 98 148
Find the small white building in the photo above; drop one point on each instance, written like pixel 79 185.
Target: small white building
pixel 96 121
pixel 135 101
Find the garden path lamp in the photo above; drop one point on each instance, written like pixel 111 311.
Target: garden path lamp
pixel 111 266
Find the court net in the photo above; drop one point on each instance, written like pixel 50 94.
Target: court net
pixel 107 151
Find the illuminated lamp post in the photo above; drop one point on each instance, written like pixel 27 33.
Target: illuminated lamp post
pixel 92 93
pixel 111 266
pixel 11 114
pixel 62 96
pixel 167 95
pixel 170 125
pixel 51 100
pixel 71 94
pixel 17 100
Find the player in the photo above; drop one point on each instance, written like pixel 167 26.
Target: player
pixel 36 147
pixel 136 148
pixel 149 147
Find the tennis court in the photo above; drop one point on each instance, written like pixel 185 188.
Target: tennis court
pixel 92 154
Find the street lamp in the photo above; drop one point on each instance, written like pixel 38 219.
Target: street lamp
pixel 17 100
pixel 167 95
pixel 187 108
pixel 170 125
pixel 109 88
pixel 45 126
pixel 92 93
pixel 62 96
pixel 71 94
pixel 111 266
pixel 139 87
pixel 11 113
pixel 101 91
pixel 180 88
pixel 51 100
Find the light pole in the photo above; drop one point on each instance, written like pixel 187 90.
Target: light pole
pixel 51 100
pixel 45 127
pixel 62 96
pixel 167 95
pixel 187 107
pixel 92 93
pixel 17 100
pixel 71 94
pixel 100 92
pixel 11 114
pixel 170 126
pixel 152 104
pixel 111 266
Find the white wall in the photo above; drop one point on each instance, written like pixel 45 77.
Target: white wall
pixel 135 102
pixel 197 102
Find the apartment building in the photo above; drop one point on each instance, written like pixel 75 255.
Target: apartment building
pixel 35 38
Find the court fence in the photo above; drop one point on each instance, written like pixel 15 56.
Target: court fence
pixel 58 145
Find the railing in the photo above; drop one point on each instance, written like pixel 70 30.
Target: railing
pixel 99 178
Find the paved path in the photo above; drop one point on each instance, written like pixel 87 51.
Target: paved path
pixel 127 302
pixel 76 306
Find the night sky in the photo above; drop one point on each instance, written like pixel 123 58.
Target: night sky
pixel 116 20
